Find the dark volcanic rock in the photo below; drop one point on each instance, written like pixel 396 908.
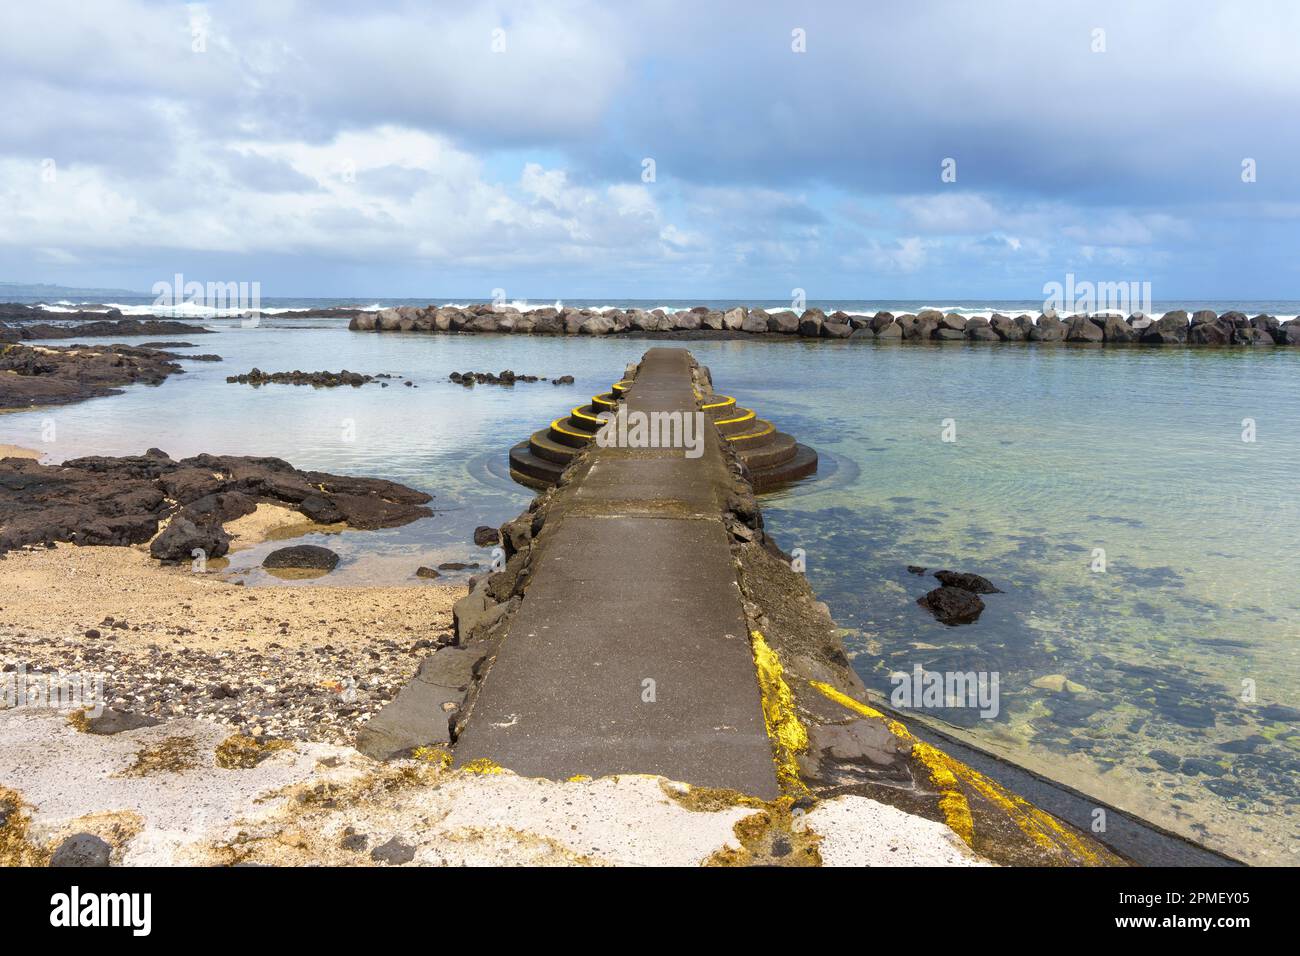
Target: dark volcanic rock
pixel 505 377
pixel 59 375
pixel 1081 328
pixel 183 537
pixel 1117 331
pixel 122 501
pixel 967 582
pixel 1007 329
pixel 1170 329
pixel 309 557
pixel 81 849
pixel 394 853
pixel 486 537
pixel 1048 328
pixel 102 329
pixel 113 721
pixel 315 379
pixel 952 606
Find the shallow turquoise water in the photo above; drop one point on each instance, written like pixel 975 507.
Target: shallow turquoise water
pixel 1059 451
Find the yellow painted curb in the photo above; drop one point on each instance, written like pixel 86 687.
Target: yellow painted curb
pixel 739 418
pixel 726 400
pixel 564 431
pixel 758 434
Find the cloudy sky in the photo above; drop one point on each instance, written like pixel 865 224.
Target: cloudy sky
pixel 451 148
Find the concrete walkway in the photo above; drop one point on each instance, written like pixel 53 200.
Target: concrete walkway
pixel 630 652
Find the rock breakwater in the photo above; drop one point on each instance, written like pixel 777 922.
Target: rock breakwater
pixel 1177 328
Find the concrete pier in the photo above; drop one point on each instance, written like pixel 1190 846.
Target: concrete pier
pixel 646 623
pixel 632 652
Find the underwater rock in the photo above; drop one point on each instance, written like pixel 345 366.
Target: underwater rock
pixel 1058 684
pixel 952 606
pixel 967 582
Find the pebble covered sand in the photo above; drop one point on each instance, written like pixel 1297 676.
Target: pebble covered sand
pixel 305 663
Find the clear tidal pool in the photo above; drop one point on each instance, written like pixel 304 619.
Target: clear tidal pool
pixel 1183 654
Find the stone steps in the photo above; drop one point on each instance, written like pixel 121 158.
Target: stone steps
pixel 772 457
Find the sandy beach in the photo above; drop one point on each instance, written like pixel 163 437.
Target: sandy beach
pixel 310 663
pixel 16 451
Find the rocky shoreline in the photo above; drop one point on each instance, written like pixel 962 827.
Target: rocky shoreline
pixel 98 329
pixel 1177 328
pixel 505 377
pixel 125 501
pixel 31 376
pixel 257 378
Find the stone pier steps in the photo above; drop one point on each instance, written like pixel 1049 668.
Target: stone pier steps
pixel 531 470
pixel 772 456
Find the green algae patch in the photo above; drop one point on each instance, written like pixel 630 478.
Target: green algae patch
pixel 16 846
pixel 174 754
pixel 238 752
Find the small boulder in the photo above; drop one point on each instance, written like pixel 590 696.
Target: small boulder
pixel 307 557
pixel 952 606
pixel 967 582
pixel 1081 328
pixel 1170 329
pixel 1058 684
pixel 783 323
pixel 182 537
pixel 80 850
pixel 394 853
pixel 486 537
pixel 1048 328
pixel 111 721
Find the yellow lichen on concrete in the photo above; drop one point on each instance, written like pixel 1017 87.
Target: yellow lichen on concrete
pixel 483 767
pixel 436 756
pixel 170 755
pixel 788 735
pixel 952 802
pixel 768 838
pixel 949 774
pixel 16 846
pixel 238 752
pixel 709 799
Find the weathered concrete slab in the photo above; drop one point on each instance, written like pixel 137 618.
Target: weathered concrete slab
pixel 631 652
pixel 421 713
